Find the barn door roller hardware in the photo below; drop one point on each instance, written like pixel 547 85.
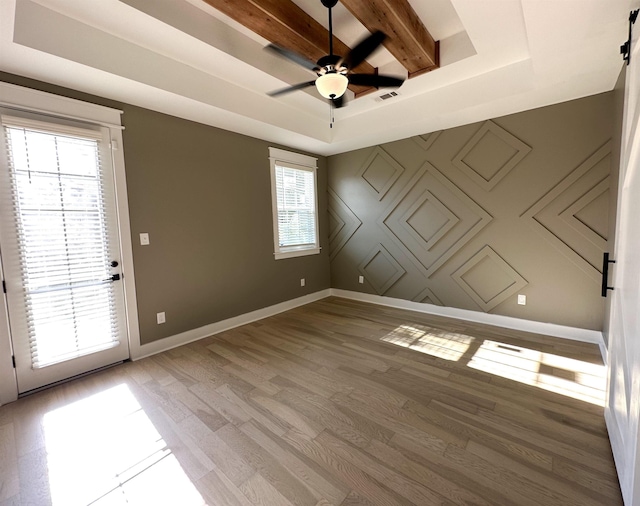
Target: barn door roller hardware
pixel 625 49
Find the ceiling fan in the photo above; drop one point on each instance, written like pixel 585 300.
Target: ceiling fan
pixel 334 71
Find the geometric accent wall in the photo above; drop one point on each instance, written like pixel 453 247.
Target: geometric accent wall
pixel 573 215
pixel 472 216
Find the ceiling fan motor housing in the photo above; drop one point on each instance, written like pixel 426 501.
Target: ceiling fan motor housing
pixel 329 64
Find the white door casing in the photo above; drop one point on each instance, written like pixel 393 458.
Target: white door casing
pixel 107 121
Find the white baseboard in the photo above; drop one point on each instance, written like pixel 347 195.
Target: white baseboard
pixel 550 329
pixel 189 336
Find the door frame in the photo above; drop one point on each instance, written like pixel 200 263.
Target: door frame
pixel 27 99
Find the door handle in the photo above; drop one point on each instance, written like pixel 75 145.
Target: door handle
pixel 114 277
pixel 605 273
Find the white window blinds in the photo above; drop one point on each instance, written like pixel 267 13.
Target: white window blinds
pixel 294 204
pixel 58 202
pixel 296 207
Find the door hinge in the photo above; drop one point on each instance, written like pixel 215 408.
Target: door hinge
pixel 4 286
pixel 13 360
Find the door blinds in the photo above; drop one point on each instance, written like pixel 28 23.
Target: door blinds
pixel 59 204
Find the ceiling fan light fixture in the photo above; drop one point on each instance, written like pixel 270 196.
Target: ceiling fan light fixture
pixel 332 85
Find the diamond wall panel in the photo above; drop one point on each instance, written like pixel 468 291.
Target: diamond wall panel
pixel 381 269
pixel 426 141
pixel 448 221
pixel 428 297
pixel 583 193
pixel 380 171
pixel 488 279
pixel 490 154
pixel 343 223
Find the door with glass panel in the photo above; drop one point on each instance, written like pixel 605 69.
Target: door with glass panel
pixel 59 248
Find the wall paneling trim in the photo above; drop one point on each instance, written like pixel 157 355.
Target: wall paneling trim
pixel 472 216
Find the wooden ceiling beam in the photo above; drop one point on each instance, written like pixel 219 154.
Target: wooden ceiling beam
pixel 407 38
pixel 285 24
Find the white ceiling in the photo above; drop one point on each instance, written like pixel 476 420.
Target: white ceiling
pixel 184 58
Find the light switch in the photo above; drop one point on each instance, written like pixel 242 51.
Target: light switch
pixel 144 239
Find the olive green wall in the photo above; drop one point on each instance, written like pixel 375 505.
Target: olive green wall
pixel 204 196
pixel 468 217
pixel 471 217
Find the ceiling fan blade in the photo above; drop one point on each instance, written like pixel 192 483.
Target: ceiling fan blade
pixel 363 49
pixel 339 102
pixel 292 56
pixel 377 81
pixel 289 89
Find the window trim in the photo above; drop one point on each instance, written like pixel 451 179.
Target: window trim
pixel 299 162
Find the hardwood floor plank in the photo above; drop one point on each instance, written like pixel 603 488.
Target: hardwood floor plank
pixel 304 470
pixel 9 479
pixel 261 493
pixel 402 485
pixel 217 450
pixel 34 479
pixel 479 433
pixel 189 453
pixel 392 422
pixel 604 484
pixel 267 466
pixel 253 409
pixel 342 470
pixel 570 490
pixel 461 475
pixel 337 402
pixel 218 490
pixel 439 484
pixel 525 434
pixel 220 404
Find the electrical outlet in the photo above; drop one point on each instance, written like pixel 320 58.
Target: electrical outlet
pixel 161 318
pixel 302 282
pixel 360 279
pixel 144 239
pixel 522 300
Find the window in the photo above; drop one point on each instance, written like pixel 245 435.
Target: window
pixel 295 204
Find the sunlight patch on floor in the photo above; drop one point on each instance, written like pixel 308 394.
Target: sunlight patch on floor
pixel 438 343
pixel 562 375
pixel 104 450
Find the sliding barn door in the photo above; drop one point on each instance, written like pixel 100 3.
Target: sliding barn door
pixel 59 247
pixel 623 403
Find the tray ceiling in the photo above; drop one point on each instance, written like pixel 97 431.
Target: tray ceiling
pixel 188 59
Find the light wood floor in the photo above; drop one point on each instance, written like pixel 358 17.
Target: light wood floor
pixel 337 402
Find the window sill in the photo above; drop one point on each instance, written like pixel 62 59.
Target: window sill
pixel 296 253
